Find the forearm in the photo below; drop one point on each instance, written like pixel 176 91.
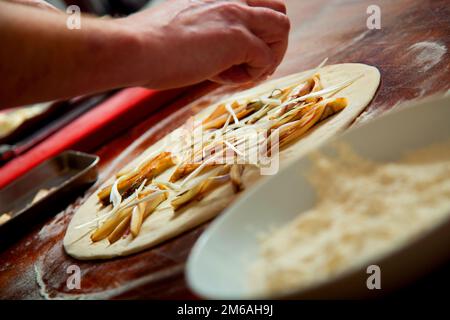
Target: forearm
pixel 174 44
pixel 41 59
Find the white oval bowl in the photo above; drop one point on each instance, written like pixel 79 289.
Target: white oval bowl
pixel 218 264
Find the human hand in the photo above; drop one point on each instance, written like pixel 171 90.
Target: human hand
pixel 184 42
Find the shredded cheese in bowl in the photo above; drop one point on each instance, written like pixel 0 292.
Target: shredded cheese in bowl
pixel 364 209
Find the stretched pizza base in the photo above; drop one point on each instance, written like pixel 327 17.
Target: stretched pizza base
pixel 164 223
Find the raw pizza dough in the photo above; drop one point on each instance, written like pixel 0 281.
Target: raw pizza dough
pixel 164 223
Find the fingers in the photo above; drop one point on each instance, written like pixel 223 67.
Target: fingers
pixel 265 27
pixel 258 61
pixel 260 58
pixel 279 50
pixel 268 21
pixel 273 28
pixel 267 24
pixel 277 5
pixel 233 75
pixel 266 18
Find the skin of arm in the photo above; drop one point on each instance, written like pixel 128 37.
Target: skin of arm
pixel 178 43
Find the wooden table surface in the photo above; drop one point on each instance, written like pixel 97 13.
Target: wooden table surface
pixel 411 51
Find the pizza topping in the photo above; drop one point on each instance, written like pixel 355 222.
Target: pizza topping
pixel 219 117
pixel 232 147
pixel 128 183
pixel 130 215
pixel 231 111
pixel 114 210
pixel 186 196
pixel 323 92
pixel 144 197
pixel 317 86
pixel 167 185
pixel 225 126
pixel 209 159
pixel 236 177
pixel 270 101
pixel 109 225
pixel 303 89
pixel 137 215
pixel 117 233
pixel 260 114
pixel 276 93
pixel 199 169
pixel 187 168
pixel 115 197
pixel 316 114
pixel 203 186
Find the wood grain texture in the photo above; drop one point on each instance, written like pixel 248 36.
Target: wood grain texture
pixel 411 51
